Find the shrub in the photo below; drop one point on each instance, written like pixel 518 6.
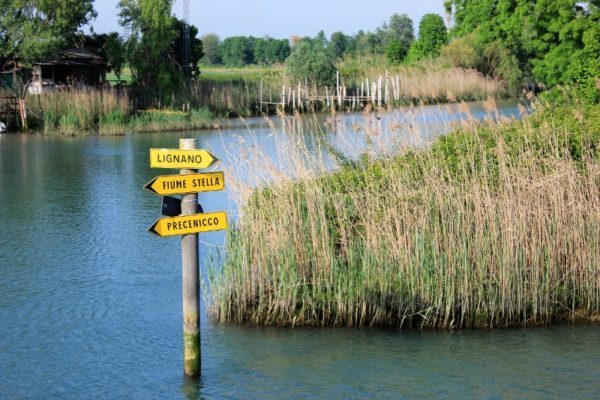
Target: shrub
pixel 462 52
pixel 310 59
pixel 585 71
pixel 395 52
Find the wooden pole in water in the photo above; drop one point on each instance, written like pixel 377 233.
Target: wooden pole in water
pixel 261 95
pixel 190 280
pixel 337 91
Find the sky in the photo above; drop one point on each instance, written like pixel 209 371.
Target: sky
pixel 282 18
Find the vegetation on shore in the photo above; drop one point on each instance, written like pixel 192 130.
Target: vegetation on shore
pixel 106 112
pixel 494 225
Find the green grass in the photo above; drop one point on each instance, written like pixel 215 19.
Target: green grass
pixel 126 76
pixel 251 73
pixel 494 225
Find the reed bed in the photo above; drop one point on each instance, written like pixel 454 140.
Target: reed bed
pixel 429 81
pixel 494 225
pixel 107 112
pixel 73 111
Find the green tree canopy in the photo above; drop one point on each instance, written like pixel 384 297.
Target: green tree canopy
pixel 312 60
pixel 108 45
pixel 269 51
pixel 155 45
pixel 210 45
pixel 237 51
pixel 432 34
pixel 30 30
pixel 400 29
pixel 395 52
pixel 339 43
pixel 544 36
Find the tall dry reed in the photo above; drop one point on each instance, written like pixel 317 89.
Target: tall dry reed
pixel 496 225
pixel 74 111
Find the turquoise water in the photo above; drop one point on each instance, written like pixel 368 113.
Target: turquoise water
pixel 90 303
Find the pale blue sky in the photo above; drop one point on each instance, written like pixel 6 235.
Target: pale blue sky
pixel 280 18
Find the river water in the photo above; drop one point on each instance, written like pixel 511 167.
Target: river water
pixel 90 302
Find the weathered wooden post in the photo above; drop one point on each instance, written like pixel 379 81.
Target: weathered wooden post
pixel 190 279
pixel 261 95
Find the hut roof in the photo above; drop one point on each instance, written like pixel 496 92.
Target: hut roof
pixel 73 57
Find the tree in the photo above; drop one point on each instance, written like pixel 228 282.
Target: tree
pixel 155 45
pixel 543 35
pixel 367 43
pixel 269 50
pixel 311 60
pixel 432 35
pixel 196 49
pixel 339 44
pixel 400 29
pixel 31 30
pixel 108 45
pixel 585 70
pixel 395 52
pixel 210 45
pixel 237 51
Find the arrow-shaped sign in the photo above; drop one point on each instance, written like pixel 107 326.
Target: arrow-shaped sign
pixel 181 159
pixel 187 224
pixel 184 184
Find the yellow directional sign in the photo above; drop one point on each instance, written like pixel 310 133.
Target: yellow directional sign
pixel 187 224
pixel 181 159
pixel 185 184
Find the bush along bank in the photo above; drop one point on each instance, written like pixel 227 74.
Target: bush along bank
pixel 492 226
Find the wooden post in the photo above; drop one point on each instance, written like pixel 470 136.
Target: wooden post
pixel 261 95
pixel 306 96
pixel 387 89
pixel 337 85
pixel 379 92
pixel 190 280
pixel 283 99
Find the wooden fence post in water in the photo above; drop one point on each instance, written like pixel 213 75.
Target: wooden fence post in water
pixel 190 280
pixel 261 95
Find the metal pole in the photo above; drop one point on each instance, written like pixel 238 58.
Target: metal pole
pixel 190 280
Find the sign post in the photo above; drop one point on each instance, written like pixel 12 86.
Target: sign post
pixel 188 224
pixel 190 268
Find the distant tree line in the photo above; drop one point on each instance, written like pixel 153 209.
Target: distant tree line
pixel 393 38
pixel 244 50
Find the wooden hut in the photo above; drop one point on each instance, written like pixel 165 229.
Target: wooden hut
pixel 69 67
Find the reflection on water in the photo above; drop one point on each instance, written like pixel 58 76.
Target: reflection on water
pixel 90 303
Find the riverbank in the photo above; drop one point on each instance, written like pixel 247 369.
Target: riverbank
pixel 494 225
pixel 222 93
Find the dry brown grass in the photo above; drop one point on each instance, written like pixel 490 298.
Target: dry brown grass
pixel 497 226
